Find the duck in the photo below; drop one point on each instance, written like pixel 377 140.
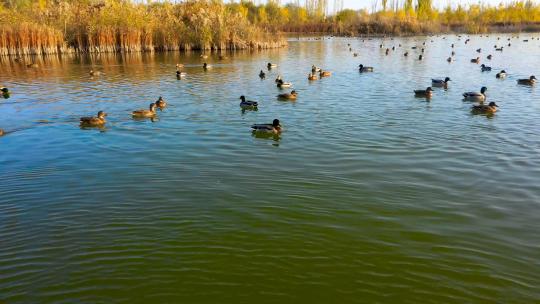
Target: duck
pixel 206 66
pixel 94 73
pixel 499 49
pixel 530 81
pixel 315 69
pixel 151 112
pixel 161 103
pixel 364 69
pixel 281 84
pixel 274 127
pixel 453 53
pixel 278 79
pixel 271 65
pixel 491 108
pixel 203 56
pixel 290 96
pixel 324 74
pixel 179 66
pixel 2 132
pixel 247 103
pixel 489 57
pixel 449 59
pixel 440 82
pixel 485 68
pixel 424 93
pixel 355 54
pixel 312 76
pixel 4 90
pixel 262 75
pixel 96 121
pixel 180 74
pixel 476 60
pixel 479 50
pixel 501 74
pixel 406 54
pixel 476 96
pixel 387 51
pixel 420 57
pixel 32 65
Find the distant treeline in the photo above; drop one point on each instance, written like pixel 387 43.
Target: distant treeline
pixel 392 17
pixel 61 26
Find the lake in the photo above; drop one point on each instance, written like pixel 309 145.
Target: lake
pixel 369 195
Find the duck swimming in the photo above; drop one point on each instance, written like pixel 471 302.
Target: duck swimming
pixel 530 81
pixel 475 96
pixel 489 57
pixel 206 66
pixel 282 84
pixel 364 69
pixel 97 121
pixel 324 74
pixel 477 60
pixel 4 90
pixel 312 76
pixel 501 74
pixel 161 103
pixel 485 68
pixel 247 104
pixel 290 96
pixel 449 59
pixel 271 65
pixel 440 82
pixel 485 109
pixel 180 74
pixel 151 112
pixel 315 69
pixel 94 73
pixel 424 93
pixel 274 127
pixel 262 75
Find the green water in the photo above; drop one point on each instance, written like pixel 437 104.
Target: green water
pixel 370 195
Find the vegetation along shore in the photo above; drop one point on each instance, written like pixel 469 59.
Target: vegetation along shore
pixel 54 26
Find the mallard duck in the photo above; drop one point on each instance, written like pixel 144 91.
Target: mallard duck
pixel 282 84
pixel 278 79
pixel 420 57
pixel 274 127
pixel 271 65
pixel 161 103
pixel 499 49
pixel 387 51
pixel 245 104
pixel 315 69
pixel 485 68
pixel 179 66
pixel 428 92
pixel 324 74
pixel 4 90
pixel 479 50
pixel 203 56
pixel 530 81
pixel 206 66
pixel 291 96
pixel 449 59
pixel 485 109
pixel 440 82
pixel 364 69
pixel 355 54
pixel 180 74
pixel 262 75
pixel 501 74
pixel 476 96
pixel 406 54
pixel 476 60
pixel 151 112
pixel 99 120
pixel 453 53
pixel 94 73
pixel 489 57
pixel 312 76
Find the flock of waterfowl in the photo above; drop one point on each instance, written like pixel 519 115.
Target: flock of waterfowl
pixel 315 74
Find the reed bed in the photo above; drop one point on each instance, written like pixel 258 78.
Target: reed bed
pixel 30 28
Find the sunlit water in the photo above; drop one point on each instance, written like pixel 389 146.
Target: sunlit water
pixel 369 195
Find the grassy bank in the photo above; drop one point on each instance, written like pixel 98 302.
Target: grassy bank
pixel 46 27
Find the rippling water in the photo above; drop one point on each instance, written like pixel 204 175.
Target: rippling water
pixel 370 194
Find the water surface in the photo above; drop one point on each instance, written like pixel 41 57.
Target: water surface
pixel 370 194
